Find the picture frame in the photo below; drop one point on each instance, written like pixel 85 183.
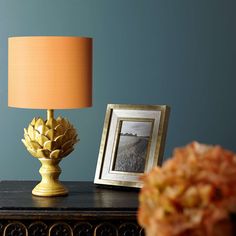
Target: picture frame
pixel 132 143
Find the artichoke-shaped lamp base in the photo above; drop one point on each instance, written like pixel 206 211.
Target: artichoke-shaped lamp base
pixel 50 185
pixel 50 141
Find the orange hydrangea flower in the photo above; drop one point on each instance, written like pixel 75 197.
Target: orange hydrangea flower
pixel 193 193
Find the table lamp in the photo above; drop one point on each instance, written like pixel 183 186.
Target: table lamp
pixel 50 72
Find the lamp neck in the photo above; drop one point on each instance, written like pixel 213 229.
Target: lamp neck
pixel 50 114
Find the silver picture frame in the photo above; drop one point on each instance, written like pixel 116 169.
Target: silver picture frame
pixel 132 143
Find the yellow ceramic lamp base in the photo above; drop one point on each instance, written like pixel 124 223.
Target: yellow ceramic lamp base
pixel 50 185
pixel 50 141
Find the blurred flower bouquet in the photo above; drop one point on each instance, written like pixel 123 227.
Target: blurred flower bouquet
pixel 192 194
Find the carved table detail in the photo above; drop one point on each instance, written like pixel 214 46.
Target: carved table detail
pixel 39 228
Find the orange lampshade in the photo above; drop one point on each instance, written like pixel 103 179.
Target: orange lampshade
pixel 49 72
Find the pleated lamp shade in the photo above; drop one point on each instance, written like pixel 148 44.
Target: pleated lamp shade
pixel 49 72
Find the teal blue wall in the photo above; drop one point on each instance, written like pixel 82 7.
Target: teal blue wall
pixel 176 52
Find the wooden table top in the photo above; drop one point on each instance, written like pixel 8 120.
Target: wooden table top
pixel 83 198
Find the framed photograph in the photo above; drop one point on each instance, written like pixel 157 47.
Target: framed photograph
pixel 132 143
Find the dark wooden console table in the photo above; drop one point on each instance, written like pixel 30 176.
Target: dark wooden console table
pixel 88 210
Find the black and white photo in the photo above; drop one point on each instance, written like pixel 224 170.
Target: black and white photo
pixel 132 147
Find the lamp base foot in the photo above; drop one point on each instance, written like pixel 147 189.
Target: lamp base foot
pixel 50 190
pixel 50 185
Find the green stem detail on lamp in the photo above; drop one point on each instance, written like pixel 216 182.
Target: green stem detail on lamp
pixel 50 141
